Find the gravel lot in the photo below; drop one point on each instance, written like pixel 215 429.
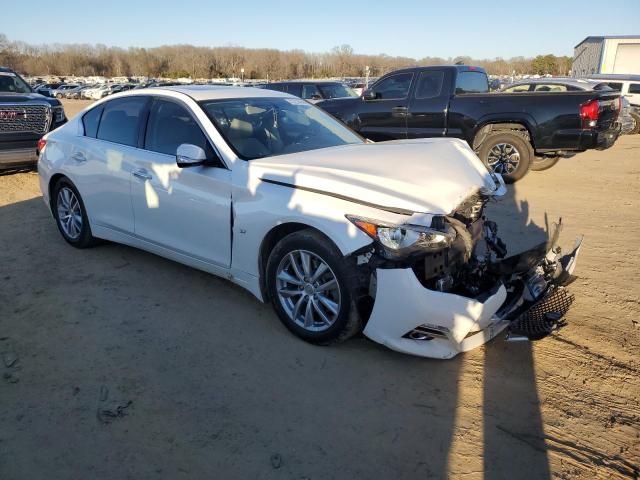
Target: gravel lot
pixel 120 364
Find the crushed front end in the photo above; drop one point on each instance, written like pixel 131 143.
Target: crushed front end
pixel 450 287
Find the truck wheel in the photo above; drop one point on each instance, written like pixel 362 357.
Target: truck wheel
pixel 636 129
pixel 508 154
pixel 307 281
pixel 543 163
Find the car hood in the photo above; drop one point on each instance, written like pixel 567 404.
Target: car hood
pixel 6 97
pixel 408 176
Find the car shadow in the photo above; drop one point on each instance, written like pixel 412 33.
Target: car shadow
pixel 218 385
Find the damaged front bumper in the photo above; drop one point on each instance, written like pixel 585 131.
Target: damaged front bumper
pixel 528 298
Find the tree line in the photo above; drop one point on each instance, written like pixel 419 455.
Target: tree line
pixel 176 61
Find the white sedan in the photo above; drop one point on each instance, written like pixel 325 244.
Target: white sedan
pixel 340 234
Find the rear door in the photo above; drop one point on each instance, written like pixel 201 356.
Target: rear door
pixel 385 116
pixel 428 107
pixel 104 156
pixel 187 210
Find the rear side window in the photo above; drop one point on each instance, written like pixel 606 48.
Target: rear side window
pixel 634 88
pixel 550 87
pixel 429 84
pixel 120 120
pixel 472 82
pixel 171 125
pixel 91 120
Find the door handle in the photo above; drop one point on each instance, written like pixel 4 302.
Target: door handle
pixel 79 157
pixel 142 174
pixel 399 111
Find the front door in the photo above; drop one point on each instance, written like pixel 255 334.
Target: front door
pixel 187 210
pixel 384 114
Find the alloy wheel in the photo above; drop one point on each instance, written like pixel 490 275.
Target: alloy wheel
pixel 69 213
pixel 308 290
pixel 503 158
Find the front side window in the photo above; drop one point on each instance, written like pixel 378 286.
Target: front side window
pixel 472 82
pixel 518 88
pixel 429 84
pixel 170 125
pixel 553 87
pixel 120 121
pixel 12 83
pixel 336 90
pixel 308 92
pixel 264 127
pixel 393 87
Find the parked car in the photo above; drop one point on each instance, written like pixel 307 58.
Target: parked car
pixel 627 120
pixel 339 234
pixel 61 91
pixel 510 132
pixel 25 117
pixel 629 87
pixel 313 90
pixel 46 88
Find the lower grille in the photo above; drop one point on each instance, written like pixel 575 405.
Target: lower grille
pixel 545 316
pixel 25 118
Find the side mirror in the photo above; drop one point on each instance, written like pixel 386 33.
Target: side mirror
pixel 369 95
pixel 189 155
pixel 316 97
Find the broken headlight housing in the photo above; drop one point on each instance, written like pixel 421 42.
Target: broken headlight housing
pixel 400 240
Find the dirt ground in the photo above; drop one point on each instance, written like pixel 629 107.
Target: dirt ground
pixel 120 364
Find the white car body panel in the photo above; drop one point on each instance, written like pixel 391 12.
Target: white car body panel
pixel 216 218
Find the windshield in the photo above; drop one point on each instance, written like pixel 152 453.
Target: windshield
pixel 264 127
pixel 336 90
pixel 12 83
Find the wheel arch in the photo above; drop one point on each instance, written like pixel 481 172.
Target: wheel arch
pixel 52 183
pixel 489 126
pixel 271 239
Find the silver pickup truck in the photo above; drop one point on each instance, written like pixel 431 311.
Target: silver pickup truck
pixel 25 117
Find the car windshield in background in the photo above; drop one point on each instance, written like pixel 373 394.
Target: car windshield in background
pixel 472 82
pixel 12 83
pixel 264 127
pixel 336 90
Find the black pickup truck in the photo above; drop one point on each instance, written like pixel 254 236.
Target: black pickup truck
pixel 511 133
pixel 24 118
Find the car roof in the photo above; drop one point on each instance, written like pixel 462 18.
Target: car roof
pixel 615 76
pixel 213 92
pixel 574 82
pixel 323 82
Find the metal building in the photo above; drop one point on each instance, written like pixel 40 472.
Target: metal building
pixel 607 54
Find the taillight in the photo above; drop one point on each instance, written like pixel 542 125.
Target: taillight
pixel 40 145
pixel 589 113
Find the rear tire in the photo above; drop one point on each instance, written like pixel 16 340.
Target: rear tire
pixel 70 215
pixel 506 153
pixel 543 163
pixel 318 308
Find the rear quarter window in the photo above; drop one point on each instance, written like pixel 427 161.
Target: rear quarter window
pixel 91 120
pixel 472 82
pixel 634 88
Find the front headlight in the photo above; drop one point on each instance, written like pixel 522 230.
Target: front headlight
pixel 58 113
pixel 404 239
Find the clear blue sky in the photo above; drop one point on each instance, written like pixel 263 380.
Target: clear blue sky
pixel 478 28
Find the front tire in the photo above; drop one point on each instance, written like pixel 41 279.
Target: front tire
pixel 308 284
pixel 636 129
pixel 508 154
pixel 543 163
pixel 70 215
